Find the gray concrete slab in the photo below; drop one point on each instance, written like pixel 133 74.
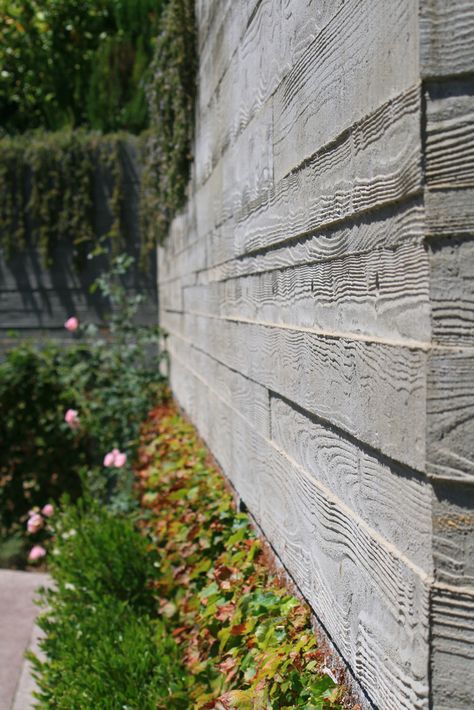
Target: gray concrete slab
pixel 17 617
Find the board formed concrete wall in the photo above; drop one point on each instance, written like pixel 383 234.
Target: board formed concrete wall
pixel 35 301
pixel 318 290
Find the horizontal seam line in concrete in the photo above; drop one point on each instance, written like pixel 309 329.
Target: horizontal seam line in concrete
pixel 307 235
pixel 322 150
pixel 413 238
pixel 410 344
pixel 397 467
pixel 428 78
pixel 424 576
pixel 332 224
pixel 225 71
pixel 462 589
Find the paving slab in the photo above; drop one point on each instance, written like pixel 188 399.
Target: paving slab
pixel 17 633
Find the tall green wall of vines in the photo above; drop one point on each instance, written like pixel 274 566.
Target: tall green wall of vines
pixel 47 178
pixel 48 195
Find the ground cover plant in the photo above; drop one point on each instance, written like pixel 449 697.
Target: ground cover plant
pixel 246 641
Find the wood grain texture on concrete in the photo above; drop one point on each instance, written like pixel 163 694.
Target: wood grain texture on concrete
pixel 447 43
pixel 446 29
pixel 318 289
pixel 364 588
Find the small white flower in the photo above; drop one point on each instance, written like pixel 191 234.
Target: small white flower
pixel 69 533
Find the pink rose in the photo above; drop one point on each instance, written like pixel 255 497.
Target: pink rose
pixel 48 510
pixel 115 458
pixel 120 460
pixel 34 523
pixel 72 418
pixel 71 324
pixel 36 553
pixel 109 459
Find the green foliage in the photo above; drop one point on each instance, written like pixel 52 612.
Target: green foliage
pixel 75 62
pixel 111 379
pixel 246 640
pixel 171 94
pixel 107 557
pixel 47 183
pixel 116 383
pixel 39 455
pixel 103 648
pixel 94 66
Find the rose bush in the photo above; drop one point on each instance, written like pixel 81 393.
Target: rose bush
pixel 62 410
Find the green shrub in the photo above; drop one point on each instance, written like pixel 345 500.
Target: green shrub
pixel 103 648
pixel 39 455
pixel 116 385
pixel 101 555
pixel 107 657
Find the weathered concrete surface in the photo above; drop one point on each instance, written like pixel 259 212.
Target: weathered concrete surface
pixel 17 631
pixel 318 291
pixel 449 159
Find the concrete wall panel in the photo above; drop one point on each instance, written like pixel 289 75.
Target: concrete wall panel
pixel 318 291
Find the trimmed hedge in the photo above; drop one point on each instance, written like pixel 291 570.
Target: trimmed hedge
pixel 104 647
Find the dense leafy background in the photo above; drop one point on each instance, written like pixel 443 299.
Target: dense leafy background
pixel 75 62
pixel 105 65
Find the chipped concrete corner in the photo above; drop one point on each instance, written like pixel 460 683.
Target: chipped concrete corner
pixel 319 294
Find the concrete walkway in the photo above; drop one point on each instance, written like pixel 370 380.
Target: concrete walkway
pixel 17 633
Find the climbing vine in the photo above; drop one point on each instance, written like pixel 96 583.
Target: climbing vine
pixel 48 191
pixel 48 180
pixel 167 145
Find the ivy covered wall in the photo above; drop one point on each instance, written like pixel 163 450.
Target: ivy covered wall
pixel 77 192
pixel 62 200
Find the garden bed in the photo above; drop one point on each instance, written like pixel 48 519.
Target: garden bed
pixel 164 595
pixel 187 614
